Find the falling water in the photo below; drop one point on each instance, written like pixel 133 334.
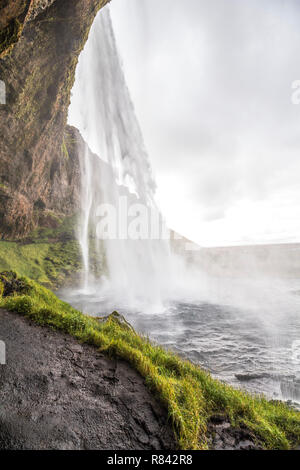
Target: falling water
pixel 101 108
pixel 86 200
pixel 244 329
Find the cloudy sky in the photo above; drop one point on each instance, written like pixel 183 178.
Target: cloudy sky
pixel 211 81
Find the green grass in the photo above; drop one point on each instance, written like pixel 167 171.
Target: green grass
pixel 26 259
pixel 190 394
pixel 49 264
pixel 48 255
pixel 64 149
pixel 62 229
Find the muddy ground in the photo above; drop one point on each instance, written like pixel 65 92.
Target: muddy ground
pixel 58 394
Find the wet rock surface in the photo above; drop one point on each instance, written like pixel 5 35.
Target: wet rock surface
pixel 58 394
pixel 224 437
pixel 39 168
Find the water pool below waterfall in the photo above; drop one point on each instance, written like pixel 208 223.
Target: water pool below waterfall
pixel 253 350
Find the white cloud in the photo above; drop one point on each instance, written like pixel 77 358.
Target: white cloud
pixel 211 82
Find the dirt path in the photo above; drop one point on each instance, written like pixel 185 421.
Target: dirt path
pixel 58 394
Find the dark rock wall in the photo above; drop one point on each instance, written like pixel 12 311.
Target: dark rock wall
pixel 14 14
pixel 36 168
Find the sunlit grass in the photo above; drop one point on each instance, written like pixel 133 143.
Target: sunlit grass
pixel 48 255
pixel 189 393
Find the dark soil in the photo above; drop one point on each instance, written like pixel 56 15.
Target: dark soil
pixel 225 437
pixel 58 394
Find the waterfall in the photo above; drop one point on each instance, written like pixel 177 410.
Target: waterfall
pixel 219 307
pixel 86 205
pixel 115 173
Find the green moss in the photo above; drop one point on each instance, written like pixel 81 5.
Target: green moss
pixel 64 149
pixel 9 36
pixel 48 263
pixel 3 186
pixel 64 229
pixel 190 394
pixel 26 107
pixel 48 256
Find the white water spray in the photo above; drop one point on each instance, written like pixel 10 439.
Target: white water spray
pixel 236 322
pixel 138 271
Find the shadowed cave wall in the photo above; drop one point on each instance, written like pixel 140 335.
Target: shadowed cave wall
pixel 39 169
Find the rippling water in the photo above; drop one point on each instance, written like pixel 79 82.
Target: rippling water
pixel 256 348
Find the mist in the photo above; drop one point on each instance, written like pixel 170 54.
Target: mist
pixel 201 125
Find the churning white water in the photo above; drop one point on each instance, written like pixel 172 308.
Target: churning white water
pixel 245 328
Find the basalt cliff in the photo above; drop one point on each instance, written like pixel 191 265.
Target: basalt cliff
pixel 40 42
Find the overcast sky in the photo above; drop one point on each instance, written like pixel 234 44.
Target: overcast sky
pixel 211 83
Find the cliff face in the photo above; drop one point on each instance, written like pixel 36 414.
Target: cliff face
pixel 37 172
pixel 13 16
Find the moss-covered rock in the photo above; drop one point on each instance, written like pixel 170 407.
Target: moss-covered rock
pixel 13 16
pixel 51 256
pixel 9 36
pixel 36 163
pixel 11 284
pixel 2 287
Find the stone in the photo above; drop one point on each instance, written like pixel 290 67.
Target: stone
pixel 38 158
